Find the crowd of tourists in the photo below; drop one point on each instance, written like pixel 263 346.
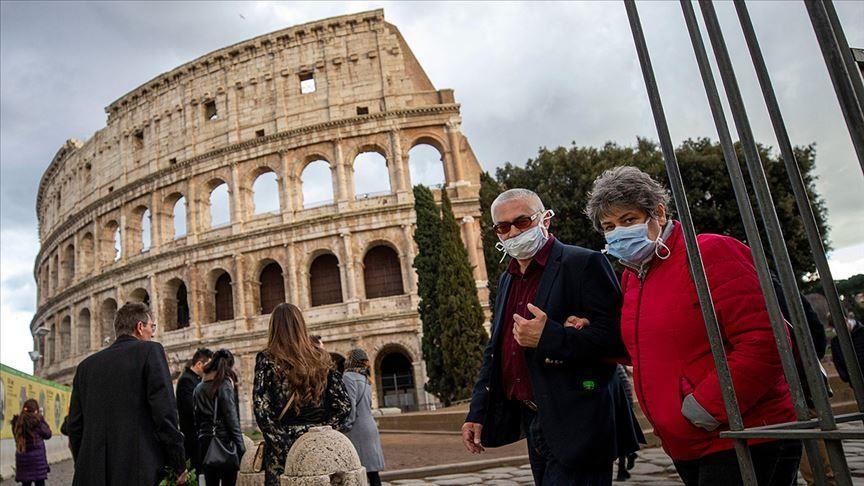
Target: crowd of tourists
pixel 565 327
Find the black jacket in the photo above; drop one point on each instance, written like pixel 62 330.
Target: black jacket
pixel 185 386
pixel 837 352
pixel 228 421
pixel 570 371
pixel 123 417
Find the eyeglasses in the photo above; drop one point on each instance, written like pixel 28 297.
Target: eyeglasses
pixel 521 223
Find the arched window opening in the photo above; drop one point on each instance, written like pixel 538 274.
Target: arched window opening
pixel 371 177
pixel 68 264
pixel 396 375
pixel 82 325
pixel 220 206
pixel 107 312
pixel 65 337
pixel 265 193
pixel 272 287
pixel 382 273
pixel 146 235
pixel 179 216
pixel 141 296
pixel 175 305
pixel 325 283
pixel 55 274
pixel 426 166
pixel 317 182
pixel 224 298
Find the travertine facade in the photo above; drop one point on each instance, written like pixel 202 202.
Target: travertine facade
pixel 323 91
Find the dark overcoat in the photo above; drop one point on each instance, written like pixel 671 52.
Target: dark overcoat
pixel 570 370
pixel 185 410
pixel 123 416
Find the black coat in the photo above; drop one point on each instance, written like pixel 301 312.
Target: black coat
pixel 123 417
pixel 227 423
pixel 837 352
pixel 185 386
pixel 570 371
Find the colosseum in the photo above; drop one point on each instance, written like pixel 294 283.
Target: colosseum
pixel 168 204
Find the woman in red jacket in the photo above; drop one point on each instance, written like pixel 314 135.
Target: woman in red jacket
pixel 664 332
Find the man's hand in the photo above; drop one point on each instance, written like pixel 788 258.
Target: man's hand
pixel 471 437
pixel 181 479
pixel 527 331
pixel 576 322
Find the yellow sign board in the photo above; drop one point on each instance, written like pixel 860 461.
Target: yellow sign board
pixel 16 387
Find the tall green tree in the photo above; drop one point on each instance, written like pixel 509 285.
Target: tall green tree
pixel 427 235
pixel 563 177
pixel 489 190
pixel 459 316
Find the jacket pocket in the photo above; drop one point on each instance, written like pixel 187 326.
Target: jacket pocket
pixel 685 387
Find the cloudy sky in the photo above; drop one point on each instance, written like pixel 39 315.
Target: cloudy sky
pixel 527 75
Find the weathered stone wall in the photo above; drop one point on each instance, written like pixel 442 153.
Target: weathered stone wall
pixel 162 143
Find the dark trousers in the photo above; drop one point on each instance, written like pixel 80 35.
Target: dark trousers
pixel 374 478
pixel 220 477
pixel 776 464
pixel 548 471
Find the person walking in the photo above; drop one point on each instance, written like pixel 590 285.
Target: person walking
pixel 663 329
pixel 539 377
pixel 186 384
pixel 122 414
pixel 295 389
pixel 30 432
pixel 360 427
pixel 217 417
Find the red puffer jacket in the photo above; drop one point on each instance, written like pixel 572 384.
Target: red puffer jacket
pixel 663 330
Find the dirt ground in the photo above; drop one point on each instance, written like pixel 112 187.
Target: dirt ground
pixel 403 451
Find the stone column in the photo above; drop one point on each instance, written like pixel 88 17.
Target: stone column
pixel 156 222
pixel 291 274
pixel 467 224
pixel 155 303
pixel 410 276
pixel 194 289
pixel 236 200
pixel 125 243
pixel 343 189
pixel 97 249
pixel 95 323
pixel 240 285
pixel 454 137
pixel 193 225
pixel 348 265
pixel 285 181
pixel 402 175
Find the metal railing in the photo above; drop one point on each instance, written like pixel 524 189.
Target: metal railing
pixel 847 84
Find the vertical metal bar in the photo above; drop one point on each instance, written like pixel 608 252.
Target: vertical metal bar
pixel 778 247
pixel 845 52
pixel 803 202
pixel 751 229
pixel 840 76
pixel 693 255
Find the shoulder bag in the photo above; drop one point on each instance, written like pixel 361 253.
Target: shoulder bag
pixel 258 461
pixel 219 454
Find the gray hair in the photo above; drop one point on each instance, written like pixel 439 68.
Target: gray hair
pixel 530 197
pixel 129 316
pixel 624 187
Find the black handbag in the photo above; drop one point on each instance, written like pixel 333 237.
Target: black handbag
pixel 219 454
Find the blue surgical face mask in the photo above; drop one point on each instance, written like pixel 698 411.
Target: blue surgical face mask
pixel 631 244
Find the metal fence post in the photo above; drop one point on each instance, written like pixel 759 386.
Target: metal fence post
pixel 694 257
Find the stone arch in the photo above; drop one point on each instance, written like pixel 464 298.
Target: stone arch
pixel 217 207
pixel 107 313
pixel 271 286
pixel 68 264
pixel 314 187
pixel 382 271
pixel 264 186
pixel 65 337
pixel 82 330
pixel 371 172
pixel 86 252
pixel 110 242
pixel 221 306
pixel 175 305
pixel 140 295
pixel 426 164
pixel 325 280
pixel 175 221
pixel 394 377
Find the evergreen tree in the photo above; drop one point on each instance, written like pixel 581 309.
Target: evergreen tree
pixel 427 235
pixel 459 316
pixel 489 190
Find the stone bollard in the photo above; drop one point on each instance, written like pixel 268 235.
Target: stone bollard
pixel 246 476
pixel 323 457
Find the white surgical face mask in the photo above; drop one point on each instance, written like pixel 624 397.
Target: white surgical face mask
pixel 526 244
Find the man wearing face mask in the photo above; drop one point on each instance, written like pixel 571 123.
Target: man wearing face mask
pixel 663 329
pixel 539 378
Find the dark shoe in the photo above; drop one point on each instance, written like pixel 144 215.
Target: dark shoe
pixel 623 475
pixel 631 460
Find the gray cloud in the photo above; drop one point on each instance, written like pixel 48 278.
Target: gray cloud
pixel 527 75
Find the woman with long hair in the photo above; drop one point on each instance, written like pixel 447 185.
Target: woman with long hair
pixel 217 415
pixel 360 426
pixel 30 431
pixel 296 388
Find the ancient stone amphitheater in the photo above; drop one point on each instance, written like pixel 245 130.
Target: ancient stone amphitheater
pixel 165 205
